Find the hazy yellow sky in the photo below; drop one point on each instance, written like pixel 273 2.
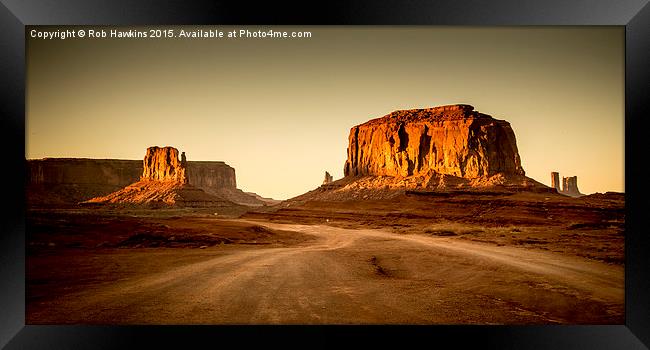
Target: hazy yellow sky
pixel 279 110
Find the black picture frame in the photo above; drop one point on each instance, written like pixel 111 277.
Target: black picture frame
pixel 633 14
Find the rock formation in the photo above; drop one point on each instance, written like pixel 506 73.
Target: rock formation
pixel 81 171
pixel 67 181
pixel 328 178
pixel 449 140
pixel 570 186
pixel 163 182
pixel 211 176
pixel 163 164
pixel 555 180
pixel 64 182
pixel 441 149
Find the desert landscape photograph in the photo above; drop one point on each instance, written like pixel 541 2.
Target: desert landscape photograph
pixel 309 175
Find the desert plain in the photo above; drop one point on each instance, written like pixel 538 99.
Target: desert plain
pixel 561 262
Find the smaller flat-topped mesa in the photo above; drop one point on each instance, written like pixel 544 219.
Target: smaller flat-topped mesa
pixel 163 164
pixel 449 140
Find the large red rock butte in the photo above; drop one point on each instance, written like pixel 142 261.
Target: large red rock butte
pixel 441 149
pixel 449 140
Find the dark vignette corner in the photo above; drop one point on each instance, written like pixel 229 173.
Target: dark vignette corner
pixel 12 126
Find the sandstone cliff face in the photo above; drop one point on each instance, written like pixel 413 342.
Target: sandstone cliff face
pixel 63 182
pixel 211 175
pixel 163 164
pixel 58 171
pixel 449 140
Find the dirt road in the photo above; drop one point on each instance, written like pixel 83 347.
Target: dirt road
pixel 356 277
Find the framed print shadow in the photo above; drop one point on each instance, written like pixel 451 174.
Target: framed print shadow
pixel 445 171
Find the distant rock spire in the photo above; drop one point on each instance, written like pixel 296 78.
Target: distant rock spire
pixel 328 178
pixel 555 180
pixel 569 185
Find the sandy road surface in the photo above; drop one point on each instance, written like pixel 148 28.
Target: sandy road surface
pixel 357 276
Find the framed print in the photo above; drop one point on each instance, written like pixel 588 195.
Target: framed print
pixel 449 171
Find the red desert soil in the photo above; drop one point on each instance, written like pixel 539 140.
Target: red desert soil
pixel 472 259
pixel 591 227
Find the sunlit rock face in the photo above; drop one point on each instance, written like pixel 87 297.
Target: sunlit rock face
pixel 448 140
pixel 163 164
